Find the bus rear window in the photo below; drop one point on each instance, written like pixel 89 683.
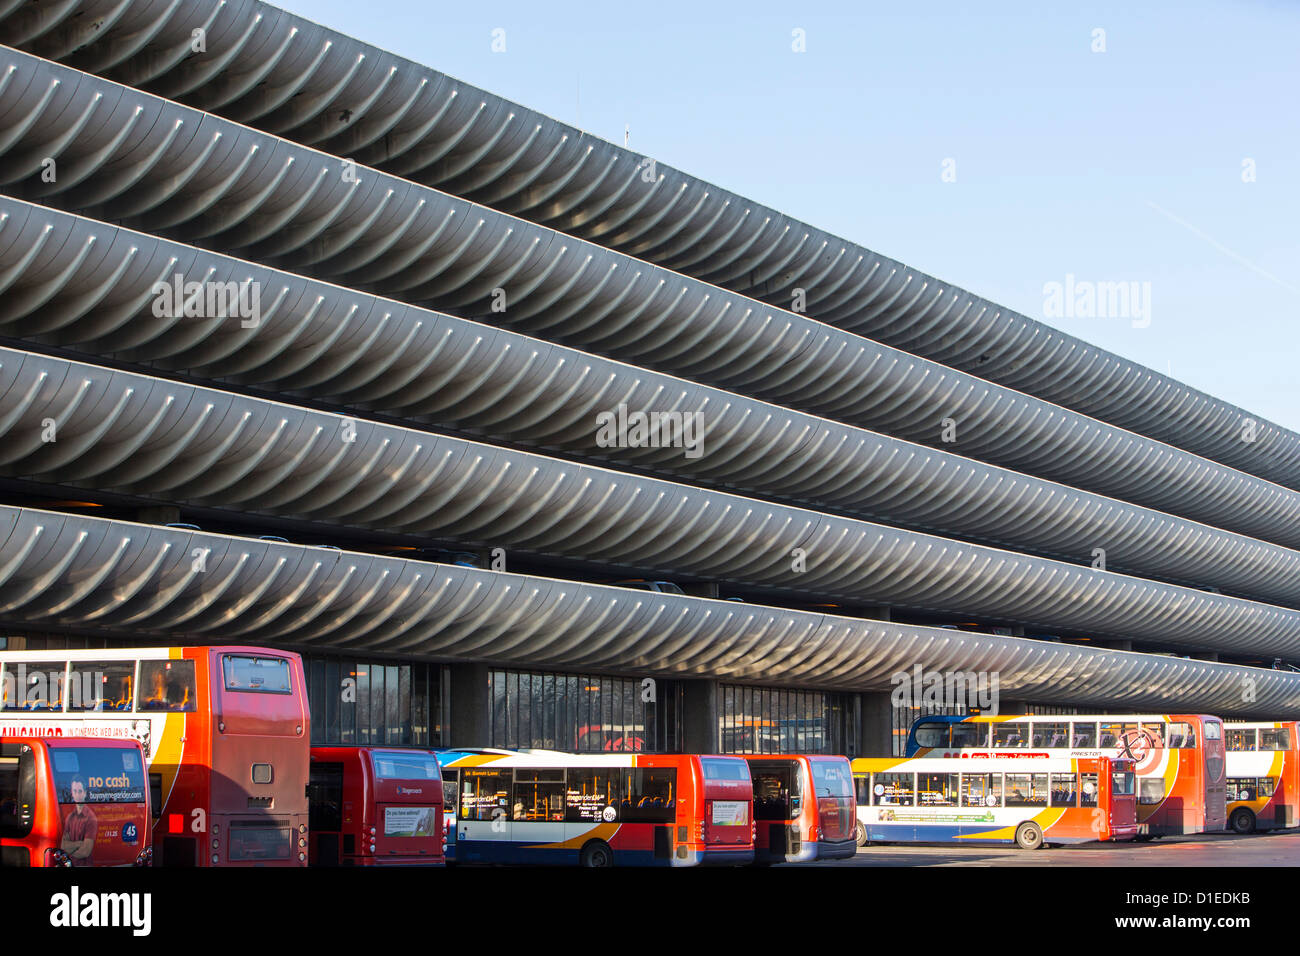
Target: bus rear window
pixel 98 774
pixel 257 675
pixel 395 765
pixel 715 769
pixel 832 778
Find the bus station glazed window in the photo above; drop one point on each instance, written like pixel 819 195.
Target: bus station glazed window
pixel 1051 735
pixel 932 734
pixel 1064 790
pixel 35 686
pixel 592 795
pixel 981 790
pixel 1011 735
pixel 894 789
pixel 1274 738
pixel 101 686
pixel 1089 788
pixel 539 796
pixel 649 795
pixel 1182 736
pixel 937 789
pixel 257 675
pixel 167 685
pixel 1026 789
pixel 1083 735
pixel 484 794
pixel 969 734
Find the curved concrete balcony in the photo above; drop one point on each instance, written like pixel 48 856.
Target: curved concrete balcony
pixel 275 71
pixel 74 425
pixel 124 580
pixel 164 168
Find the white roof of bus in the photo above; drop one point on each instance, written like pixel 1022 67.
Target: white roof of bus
pixel 543 758
pixel 971 765
pixel 1055 718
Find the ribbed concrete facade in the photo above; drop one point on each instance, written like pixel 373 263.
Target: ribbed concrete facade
pixel 451 290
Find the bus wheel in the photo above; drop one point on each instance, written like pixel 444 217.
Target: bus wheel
pixel 596 853
pixel 860 834
pixel 1029 836
pixel 1243 821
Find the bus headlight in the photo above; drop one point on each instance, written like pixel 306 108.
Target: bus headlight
pixel 145 857
pixel 57 857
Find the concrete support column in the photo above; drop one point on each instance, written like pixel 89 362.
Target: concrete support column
pixel 875 725
pixel 701 704
pixel 468 706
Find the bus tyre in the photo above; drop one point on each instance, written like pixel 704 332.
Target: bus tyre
pixel 860 834
pixel 596 853
pixel 1243 821
pixel 1029 836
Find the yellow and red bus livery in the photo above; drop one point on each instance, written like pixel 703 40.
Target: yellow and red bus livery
pixel 1178 758
pixel 224 730
pixel 1026 800
pixel 1263 774
pixel 538 806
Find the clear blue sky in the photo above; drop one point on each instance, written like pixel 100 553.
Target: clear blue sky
pixel 1117 166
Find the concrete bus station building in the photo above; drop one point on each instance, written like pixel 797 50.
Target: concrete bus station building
pixel 522 438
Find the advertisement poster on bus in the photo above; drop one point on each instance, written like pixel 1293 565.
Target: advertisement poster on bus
pixel 409 822
pixel 134 728
pixel 103 803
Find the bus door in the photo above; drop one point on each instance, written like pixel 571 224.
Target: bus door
pixel 483 830
pixel 778 799
pixel 329 844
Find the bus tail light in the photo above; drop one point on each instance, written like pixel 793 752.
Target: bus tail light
pixel 145 857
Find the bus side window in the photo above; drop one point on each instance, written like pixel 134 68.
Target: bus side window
pixel 1088 789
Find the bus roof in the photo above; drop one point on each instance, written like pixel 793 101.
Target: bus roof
pixel 972 764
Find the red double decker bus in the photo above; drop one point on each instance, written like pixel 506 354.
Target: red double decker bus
pixel 804 808
pixel 73 801
pixel 371 806
pixel 224 730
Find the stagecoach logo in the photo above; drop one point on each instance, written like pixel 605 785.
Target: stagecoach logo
pixel 1142 748
pixel 409 790
pixel 953 691
pixel 78 909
